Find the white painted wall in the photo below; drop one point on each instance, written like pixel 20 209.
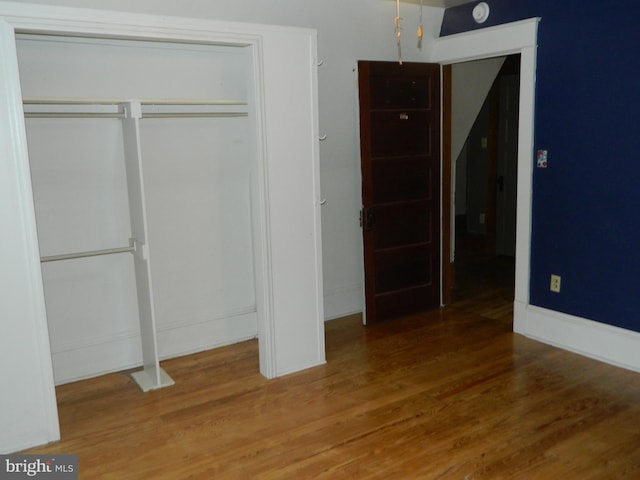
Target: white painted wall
pixel 470 84
pixel 347 32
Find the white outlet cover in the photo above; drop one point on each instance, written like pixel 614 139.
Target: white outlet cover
pixel 481 12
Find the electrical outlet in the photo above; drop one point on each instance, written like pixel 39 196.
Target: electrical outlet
pixel 555 283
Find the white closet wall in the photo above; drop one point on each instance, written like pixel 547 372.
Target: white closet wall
pixel 197 186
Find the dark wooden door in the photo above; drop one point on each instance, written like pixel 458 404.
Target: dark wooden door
pixel 400 159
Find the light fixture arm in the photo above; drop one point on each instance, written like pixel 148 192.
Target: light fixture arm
pixel 398 31
pixel 420 29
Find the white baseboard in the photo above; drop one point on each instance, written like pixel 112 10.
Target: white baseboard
pixel 599 341
pixel 342 301
pixel 96 357
pixel 185 339
pixel 99 356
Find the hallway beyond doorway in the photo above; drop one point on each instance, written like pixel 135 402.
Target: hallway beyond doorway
pixel 482 276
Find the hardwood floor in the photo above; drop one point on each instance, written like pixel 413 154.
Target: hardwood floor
pixel 449 394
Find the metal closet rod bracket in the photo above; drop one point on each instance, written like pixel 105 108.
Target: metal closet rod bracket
pixel 139 249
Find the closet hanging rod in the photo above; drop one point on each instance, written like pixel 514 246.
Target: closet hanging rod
pixel 194 114
pixel 91 253
pixel 72 115
pixel 71 101
pixel 191 102
pixel 122 115
pixel 118 101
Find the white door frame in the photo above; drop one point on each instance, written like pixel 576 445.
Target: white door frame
pixel 513 38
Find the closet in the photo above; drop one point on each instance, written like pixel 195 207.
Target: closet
pixel 140 164
pixel 227 134
pixel 167 170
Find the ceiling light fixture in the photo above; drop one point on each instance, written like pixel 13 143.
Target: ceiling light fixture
pixel 420 29
pixel 481 12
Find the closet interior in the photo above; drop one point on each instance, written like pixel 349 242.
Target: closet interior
pixel 141 156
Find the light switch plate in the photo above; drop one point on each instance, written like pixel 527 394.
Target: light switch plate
pixel 541 157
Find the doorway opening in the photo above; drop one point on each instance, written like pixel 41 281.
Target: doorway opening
pixel 484 124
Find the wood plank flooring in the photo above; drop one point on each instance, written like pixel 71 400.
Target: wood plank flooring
pixel 449 394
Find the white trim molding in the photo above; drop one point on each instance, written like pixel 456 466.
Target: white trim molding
pixel 518 37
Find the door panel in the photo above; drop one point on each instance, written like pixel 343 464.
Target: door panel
pixel 403 268
pixel 396 179
pixel 399 135
pixel 402 225
pixel 403 302
pixel 410 91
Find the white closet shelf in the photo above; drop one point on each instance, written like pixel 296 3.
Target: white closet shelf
pixel 115 108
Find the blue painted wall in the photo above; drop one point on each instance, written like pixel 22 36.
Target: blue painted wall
pixel 586 204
